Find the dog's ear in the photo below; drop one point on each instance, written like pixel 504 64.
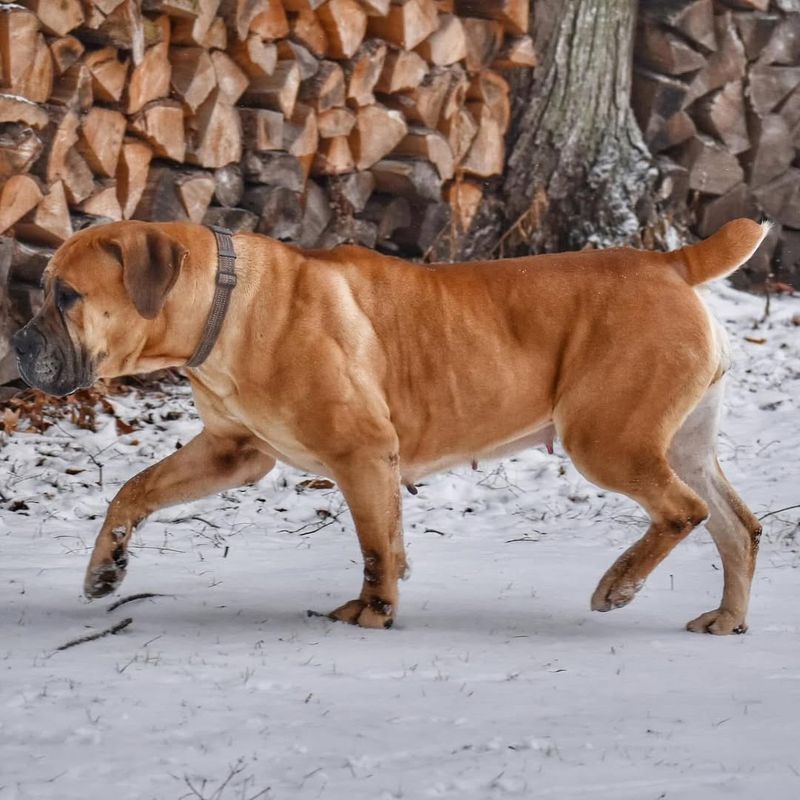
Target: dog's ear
pixel 151 262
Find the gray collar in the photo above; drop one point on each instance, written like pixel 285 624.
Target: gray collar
pixel 225 283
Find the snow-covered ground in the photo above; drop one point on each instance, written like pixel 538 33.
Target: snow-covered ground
pixel 496 681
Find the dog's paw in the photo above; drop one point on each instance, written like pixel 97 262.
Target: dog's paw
pixel 106 577
pixel 614 593
pixel 719 622
pixel 375 613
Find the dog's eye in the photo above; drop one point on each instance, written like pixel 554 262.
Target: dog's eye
pixel 66 297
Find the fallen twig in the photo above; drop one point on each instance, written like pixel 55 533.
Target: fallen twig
pixel 778 511
pixel 114 629
pixel 132 597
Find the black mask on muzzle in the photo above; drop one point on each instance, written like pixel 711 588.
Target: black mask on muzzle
pixel 48 359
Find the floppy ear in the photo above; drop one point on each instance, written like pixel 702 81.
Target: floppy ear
pixel 151 262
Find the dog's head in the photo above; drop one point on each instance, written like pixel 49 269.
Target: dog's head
pixel 104 291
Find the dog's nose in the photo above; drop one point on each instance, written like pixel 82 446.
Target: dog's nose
pixel 27 342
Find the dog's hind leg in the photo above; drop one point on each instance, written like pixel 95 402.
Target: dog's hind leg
pixel 623 447
pixel 733 527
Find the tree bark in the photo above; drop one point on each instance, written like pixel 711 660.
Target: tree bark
pixel 578 171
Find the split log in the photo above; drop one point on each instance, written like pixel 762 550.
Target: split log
pixel 354 189
pixel 737 202
pixel 316 215
pixel 424 103
pixel 755 31
pixel 363 71
pixel 159 199
pixel 194 30
pixel 18 109
pixel 272 22
pixel 109 74
pixel 518 51
pixel 231 81
pixel 195 190
pixel 671 132
pixel 447 44
pixel 239 14
pixel 768 86
pixel 228 185
pixel 160 124
pixel 407 25
pixel 103 202
pixel 335 122
pixel 132 171
pixel 18 195
pixel 376 133
pixel 307 29
pixel 492 91
pixel 407 177
pixel 666 52
pixel 428 222
pixel 48 224
pixel 513 14
pixel 460 130
pixel 333 157
pixel 722 115
pixel 279 210
pixel 402 70
pixel 430 145
pixel 376 8
pixel 300 134
pixel 101 134
pixel 77 178
pixel 464 197
pixel 57 17
pixel 262 129
pixel 712 169
pixel 727 63
pixel 150 80
pixel 256 57
pixel 772 151
pixel 277 91
pixel 215 134
pixel 238 220
pixel 73 88
pixel 124 28
pixel 325 89
pixel 58 138
pixel 483 42
pixel 65 51
pixel 694 19
pixel 784 44
pixel 306 61
pixel 486 156
pixel 275 169
pixel 345 24
pixel 388 214
pixel 192 76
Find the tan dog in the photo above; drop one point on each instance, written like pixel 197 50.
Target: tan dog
pixel 375 371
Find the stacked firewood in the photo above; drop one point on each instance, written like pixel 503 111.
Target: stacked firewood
pixel 315 121
pixel 717 95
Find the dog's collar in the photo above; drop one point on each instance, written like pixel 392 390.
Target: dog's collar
pixel 225 283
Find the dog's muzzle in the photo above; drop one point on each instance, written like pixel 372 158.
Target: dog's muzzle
pixel 57 367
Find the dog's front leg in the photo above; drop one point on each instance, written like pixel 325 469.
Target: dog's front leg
pixel 370 483
pixel 209 463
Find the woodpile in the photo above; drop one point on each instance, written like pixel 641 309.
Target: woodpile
pixel 717 95
pixel 317 121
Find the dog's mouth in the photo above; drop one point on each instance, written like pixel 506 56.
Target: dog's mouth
pixel 58 369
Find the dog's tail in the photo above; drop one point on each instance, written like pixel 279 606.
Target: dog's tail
pixel 722 253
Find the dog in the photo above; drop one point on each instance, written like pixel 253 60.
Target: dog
pixel 375 371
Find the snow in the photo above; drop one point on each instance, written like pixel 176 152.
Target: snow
pixel 496 681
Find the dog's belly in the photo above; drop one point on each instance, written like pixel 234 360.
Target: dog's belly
pixel 413 470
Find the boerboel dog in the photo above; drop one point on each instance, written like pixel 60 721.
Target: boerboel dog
pixel 375 371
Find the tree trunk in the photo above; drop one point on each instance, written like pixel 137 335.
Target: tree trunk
pixel 578 171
